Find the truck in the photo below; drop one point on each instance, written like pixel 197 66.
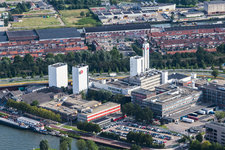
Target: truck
pixel 188 120
pixel 211 112
pixel 112 74
pixel 207 110
pixel 201 112
pixel 192 117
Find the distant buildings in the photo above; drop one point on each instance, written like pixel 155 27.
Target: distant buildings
pixel 58 75
pixel 214 7
pixel 40 42
pixel 80 78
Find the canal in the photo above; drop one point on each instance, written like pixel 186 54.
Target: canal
pixel 14 139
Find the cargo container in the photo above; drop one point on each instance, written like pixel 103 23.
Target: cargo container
pixel 183 117
pixel 192 117
pixel 188 120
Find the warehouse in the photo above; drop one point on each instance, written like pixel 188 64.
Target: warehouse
pixel 214 7
pixel 193 14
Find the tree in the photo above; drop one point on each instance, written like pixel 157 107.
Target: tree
pixel 196 66
pixel 81 144
pixel 41 75
pixel 6 22
pixel 34 103
pixel 172 17
pixel 44 145
pixel 215 73
pixel 221 67
pixel 135 147
pixel 65 142
pixel 213 68
pixel 82 14
pixel 206 145
pixel 199 137
pixel 162 121
pixel 83 94
pixel 91 145
pixel 219 115
pixel 195 145
pixel 88 14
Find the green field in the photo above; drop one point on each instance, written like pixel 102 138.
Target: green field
pixel 73 18
pixel 36 12
pixel 29 22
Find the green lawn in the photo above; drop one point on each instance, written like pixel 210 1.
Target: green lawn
pixel 36 22
pixel 73 18
pixel 36 12
pixel 12 6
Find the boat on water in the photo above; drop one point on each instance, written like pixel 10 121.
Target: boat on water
pixel 13 123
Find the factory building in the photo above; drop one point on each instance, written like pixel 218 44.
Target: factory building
pixel 40 42
pixel 99 112
pixel 136 65
pixel 214 7
pixel 80 78
pixel 141 94
pixel 149 79
pixel 171 102
pixel 58 75
pixel 215 132
pixel 116 86
pixel 116 32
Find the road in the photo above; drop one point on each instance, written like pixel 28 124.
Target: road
pixel 98 139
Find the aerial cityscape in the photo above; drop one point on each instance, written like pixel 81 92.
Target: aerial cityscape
pixel 112 74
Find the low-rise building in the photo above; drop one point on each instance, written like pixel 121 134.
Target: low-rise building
pixel 140 94
pixel 193 14
pixel 215 132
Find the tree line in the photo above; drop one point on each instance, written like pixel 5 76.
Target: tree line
pixel 88 126
pixel 105 96
pixel 205 145
pixel 110 135
pixel 141 115
pixel 75 4
pixel 30 66
pixel 34 110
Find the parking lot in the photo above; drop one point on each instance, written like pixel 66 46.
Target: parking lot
pixel 159 136
pixel 182 126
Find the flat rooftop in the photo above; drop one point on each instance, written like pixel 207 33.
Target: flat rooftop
pixel 212 86
pixel 211 26
pixel 120 84
pixel 58 65
pixel 107 28
pixel 102 107
pixel 177 76
pixel 214 2
pixel 23 33
pixel 167 86
pixel 57 106
pixel 143 91
pixel 189 110
pixel 80 66
pixel 216 123
pixel 171 96
pixel 149 73
pixel 218 81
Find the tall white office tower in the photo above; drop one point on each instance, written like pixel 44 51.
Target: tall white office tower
pixel 80 78
pixel 136 65
pixel 146 54
pixel 58 75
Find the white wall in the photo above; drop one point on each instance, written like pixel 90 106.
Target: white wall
pixel 164 77
pixel 146 54
pixel 58 76
pixel 136 65
pixel 80 80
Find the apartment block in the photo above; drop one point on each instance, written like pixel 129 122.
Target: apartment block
pixel 215 132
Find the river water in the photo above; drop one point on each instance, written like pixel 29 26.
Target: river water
pixel 15 139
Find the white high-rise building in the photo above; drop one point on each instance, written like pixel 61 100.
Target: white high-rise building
pixel 146 55
pixel 58 75
pixel 136 65
pixel 80 78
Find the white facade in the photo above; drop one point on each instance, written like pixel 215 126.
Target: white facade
pixel 58 75
pixel 80 78
pixel 146 55
pixel 164 77
pixel 136 65
pixel 213 7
